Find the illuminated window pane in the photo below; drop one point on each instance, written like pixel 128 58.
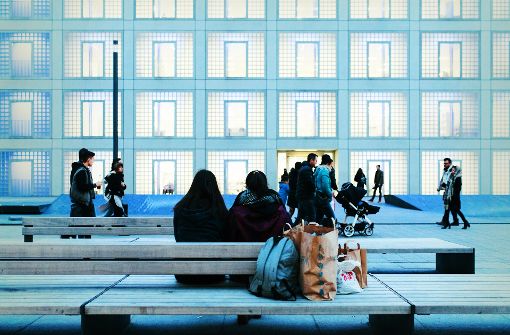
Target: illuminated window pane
pixel 378 60
pixel 306 118
pixel 378 119
pixel 93 8
pixel 98 170
pixel 378 9
pixel 93 118
pixel 164 118
pixel 307 9
pixel 449 118
pixel 307 59
pixel 236 9
pixel 21 118
pixel 450 9
pixel 236 59
pixel 164 176
pixel 449 59
pixel 21 8
pixel 236 115
pixel 164 8
pixel 93 59
pixel 21 59
pixel 21 178
pixel 164 59
pixel 236 172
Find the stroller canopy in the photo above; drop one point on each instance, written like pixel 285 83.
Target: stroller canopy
pixel 352 193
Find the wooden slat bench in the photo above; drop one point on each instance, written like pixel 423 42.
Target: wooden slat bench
pixel 42 225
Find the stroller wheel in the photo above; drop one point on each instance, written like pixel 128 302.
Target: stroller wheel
pixel 369 230
pixel 348 230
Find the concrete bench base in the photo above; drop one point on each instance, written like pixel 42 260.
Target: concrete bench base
pixel 104 324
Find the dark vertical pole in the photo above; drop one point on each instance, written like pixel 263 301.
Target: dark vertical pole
pixel 115 101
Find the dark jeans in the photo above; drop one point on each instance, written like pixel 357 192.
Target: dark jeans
pixel 446 216
pixel 455 218
pixel 375 191
pixel 306 210
pixel 78 210
pixel 323 209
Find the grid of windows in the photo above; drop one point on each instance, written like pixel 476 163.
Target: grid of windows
pixel 25 173
pixel 90 113
pixel 33 9
pixel 378 9
pixel 500 175
pixel 163 113
pixel 378 55
pixel 93 9
pixel 450 114
pixel 378 114
pixel 235 55
pixel 393 164
pixel 231 167
pixel 450 9
pixel 101 167
pixel 236 9
pixel 501 55
pixel 164 54
pixel 222 119
pixel 157 170
pixel 36 124
pixel 307 9
pixel 432 169
pixel 305 114
pixel 501 114
pixel 500 9
pixel 449 55
pixel 24 55
pixel 164 9
pixel 88 54
pixel 307 55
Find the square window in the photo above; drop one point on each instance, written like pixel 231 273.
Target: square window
pixel 164 176
pixel 21 8
pixel 450 60
pixel 21 118
pixel 378 118
pixel 93 118
pixel 164 8
pixel 235 173
pixel 307 116
pixel 450 9
pixel 93 59
pixel 92 8
pixel 449 119
pixel 307 62
pixel 307 9
pixel 378 60
pixel 21 59
pixel 236 116
pixel 21 178
pixel 236 9
pixel 164 59
pixel 236 59
pixel 97 171
pixel 378 9
pixel 164 118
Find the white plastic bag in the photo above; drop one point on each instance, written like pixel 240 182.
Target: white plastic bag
pixel 346 279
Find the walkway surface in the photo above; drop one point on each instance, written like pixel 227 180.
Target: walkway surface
pixel 492 256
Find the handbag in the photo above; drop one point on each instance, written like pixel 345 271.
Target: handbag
pixel 358 255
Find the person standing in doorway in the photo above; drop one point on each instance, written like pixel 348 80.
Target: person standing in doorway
pixel 305 190
pixel 293 177
pixel 378 183
pixel 443 182
pixel 324 190
pixel 283 190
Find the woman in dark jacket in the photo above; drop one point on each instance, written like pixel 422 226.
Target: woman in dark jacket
pixel 291 200
pixel 200 217
pixel 360 178
pixel 258 212
pixel 452 192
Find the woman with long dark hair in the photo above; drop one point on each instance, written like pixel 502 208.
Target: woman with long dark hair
pixel 291 200
pixel 360 179
pixel 200 217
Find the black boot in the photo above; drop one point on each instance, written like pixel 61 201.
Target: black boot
pixel 466 225
pixel 446 225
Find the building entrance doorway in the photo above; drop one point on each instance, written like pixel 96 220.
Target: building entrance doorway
pixel 287 159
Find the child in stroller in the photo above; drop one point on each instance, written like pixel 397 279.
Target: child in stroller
pixel 350 197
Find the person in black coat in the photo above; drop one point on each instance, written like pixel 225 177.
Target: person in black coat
pixel 114 187
pixel 293 177
pixel 453 189
pixel 360 179
pixel 201 216
pixel 378 182
pixel 305 190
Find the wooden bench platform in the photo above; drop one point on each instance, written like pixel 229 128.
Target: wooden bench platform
pixel 42 225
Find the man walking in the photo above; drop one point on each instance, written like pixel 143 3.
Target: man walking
pixel 378 182
pixel 305 190
pixel 443 182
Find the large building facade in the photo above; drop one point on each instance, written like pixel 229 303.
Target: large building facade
pixel 238 85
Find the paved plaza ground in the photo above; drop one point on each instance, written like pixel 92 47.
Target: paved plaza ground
pixel 491 241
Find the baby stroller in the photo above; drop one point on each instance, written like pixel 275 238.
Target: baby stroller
pixel 347 197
